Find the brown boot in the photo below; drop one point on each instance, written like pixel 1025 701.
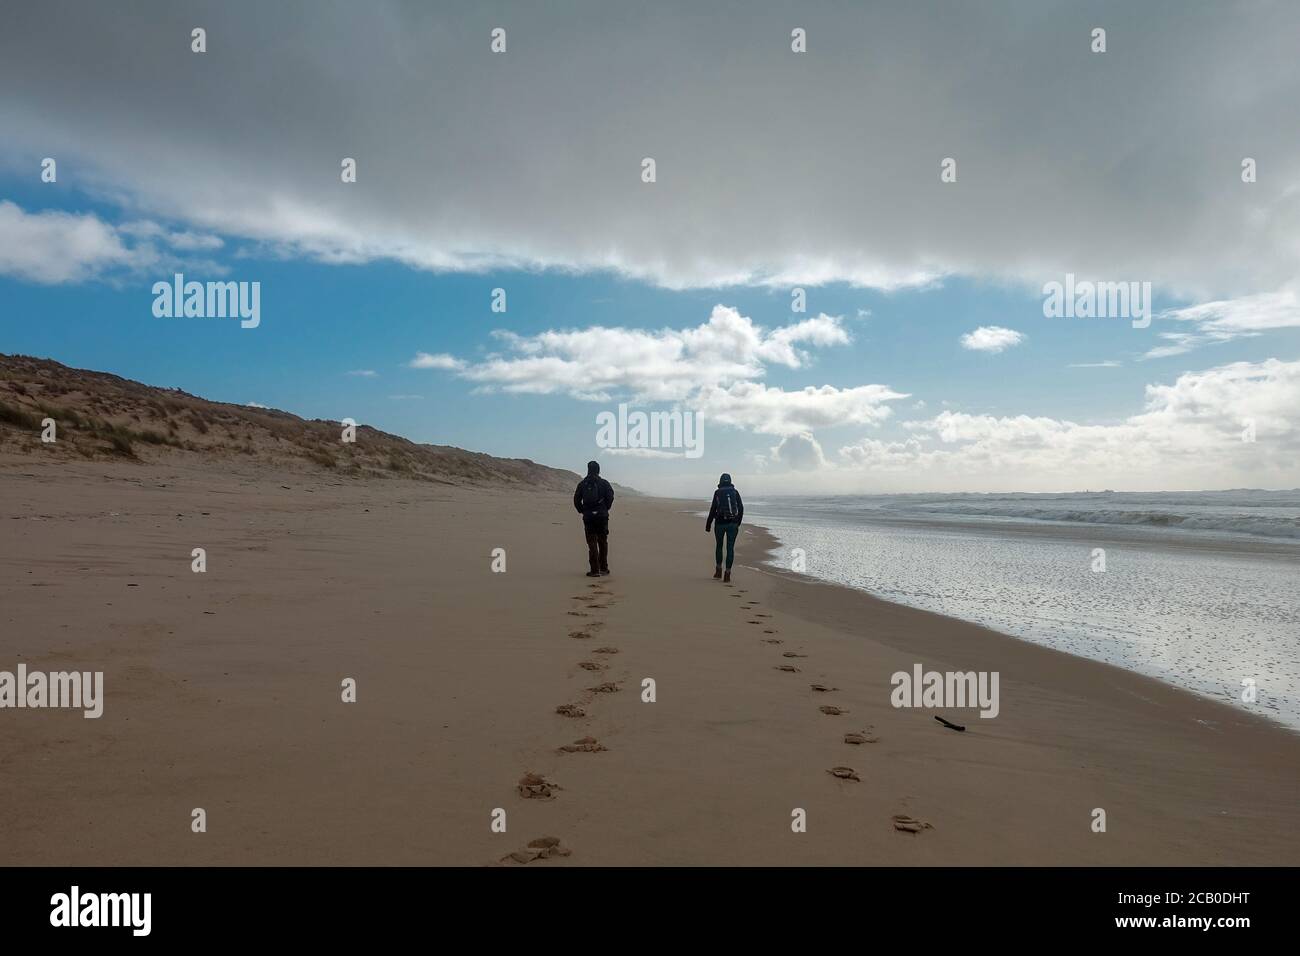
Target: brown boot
pixel 726 578
pixel 717 572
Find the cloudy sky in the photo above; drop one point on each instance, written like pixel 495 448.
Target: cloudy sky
pixel 922 359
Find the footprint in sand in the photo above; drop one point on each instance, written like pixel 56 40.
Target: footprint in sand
pixel 597 607
pixel 910 824
pixel 769 631
pixel 822 688
pixel 792 654
pixel 757 614
pixel 580 635
pixel 591 666
pixel 583 745
pixel 533 786
pixel 577 613
pixel 753 622
pixel 543 848
pixel 844 773
pixel 570 710
pixel 831 711
pixel 609 687
pixel 863 737
pixel 788 668
pixel 605 650
pixel 772 640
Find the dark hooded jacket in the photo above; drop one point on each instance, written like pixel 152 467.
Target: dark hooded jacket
pixel 604 496
pixel 724 482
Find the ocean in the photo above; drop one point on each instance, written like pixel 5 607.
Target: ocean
pixel 1201 590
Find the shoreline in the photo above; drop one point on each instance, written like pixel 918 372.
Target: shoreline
pixel 1228 712
pixel 222 692
pixel 1264 553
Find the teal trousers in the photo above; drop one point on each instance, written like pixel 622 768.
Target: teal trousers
pixel 729 532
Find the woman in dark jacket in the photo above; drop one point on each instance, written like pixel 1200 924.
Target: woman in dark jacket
pixel 725 516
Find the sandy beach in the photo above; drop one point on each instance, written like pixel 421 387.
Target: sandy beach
pixel 223 692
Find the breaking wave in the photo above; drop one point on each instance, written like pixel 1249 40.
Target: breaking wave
pixel 1265 525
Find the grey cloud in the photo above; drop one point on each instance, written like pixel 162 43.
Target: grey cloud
pixel 772 166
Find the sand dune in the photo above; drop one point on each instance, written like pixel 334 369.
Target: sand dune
pixel 101 416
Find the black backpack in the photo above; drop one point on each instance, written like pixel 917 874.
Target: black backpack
pixel 728 506
pixel 593 498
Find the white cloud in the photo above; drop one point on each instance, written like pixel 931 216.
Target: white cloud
pixel 1252 313
pixel 182 240
pixel 440 361
pixel 641 453
pixel 1217 401
pixel 711 368
pixel 800 452
pixel 1227 319
pixel 193 241
pixel 1179 343
pixel 991 338
pixel 876 454
pixel 1109 363
pixel 53 247
pixel 664 365
pixel 256 405
pixel 775 411
pixel 779 347
pixel 363 373
pixel 57 247
pixel 1188 435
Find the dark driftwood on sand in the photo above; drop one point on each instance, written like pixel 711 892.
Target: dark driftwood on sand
pixel 948 723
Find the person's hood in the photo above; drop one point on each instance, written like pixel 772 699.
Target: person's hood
pixel 593 468
pixel 724 480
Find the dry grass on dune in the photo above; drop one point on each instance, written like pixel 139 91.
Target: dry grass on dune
pixel 99 416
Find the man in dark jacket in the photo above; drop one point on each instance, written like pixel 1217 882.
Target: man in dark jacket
pixel 725 516
pixel 593 499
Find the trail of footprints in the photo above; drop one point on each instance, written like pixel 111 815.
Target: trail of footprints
pixel 598 598
pixel 901 822
pixel 533 786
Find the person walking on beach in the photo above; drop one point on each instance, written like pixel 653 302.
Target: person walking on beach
pixel 593 499
pixel 725 516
